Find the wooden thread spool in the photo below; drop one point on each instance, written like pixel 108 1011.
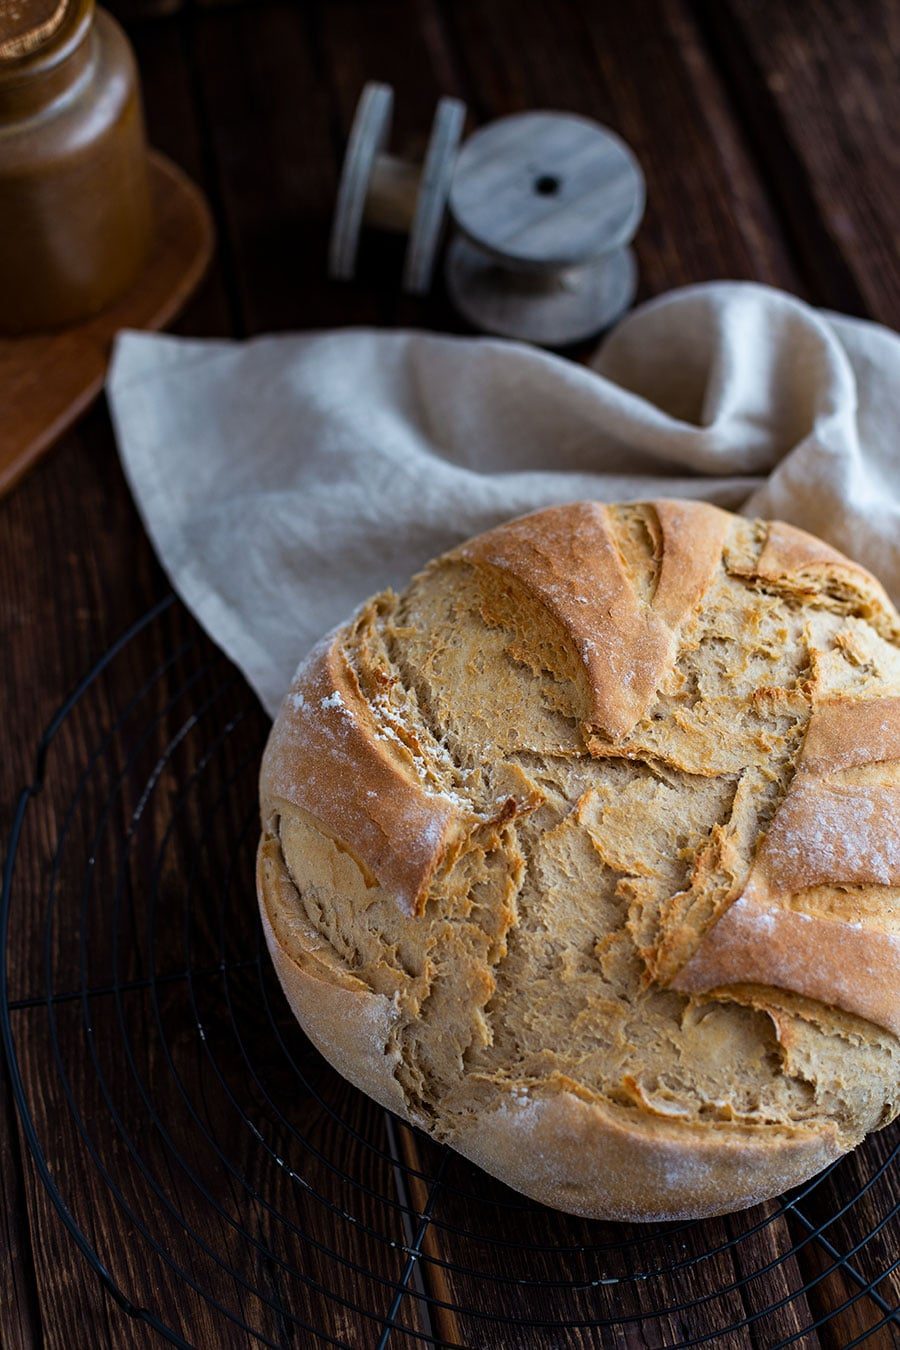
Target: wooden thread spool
pixel 392 193
pixel 545 205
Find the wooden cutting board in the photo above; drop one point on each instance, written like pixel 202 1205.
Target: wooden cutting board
pixel 48 380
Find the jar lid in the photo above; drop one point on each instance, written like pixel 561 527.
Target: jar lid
pixel 25 25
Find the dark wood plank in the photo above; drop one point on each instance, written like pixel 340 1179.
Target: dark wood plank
pixel 175 126
pixel 255 102
pixel 865 1233
pixel 75 570
pixel 642 70
pixel 182 1140
pixel 274 144
pixel 816 84
pixel 88 546
pixel 20 1323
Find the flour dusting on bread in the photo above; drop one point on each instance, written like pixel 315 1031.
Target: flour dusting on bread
pixel 599 821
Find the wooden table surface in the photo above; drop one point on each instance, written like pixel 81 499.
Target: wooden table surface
pixel 768 134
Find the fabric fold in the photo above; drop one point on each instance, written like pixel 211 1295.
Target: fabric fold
pixel 284 479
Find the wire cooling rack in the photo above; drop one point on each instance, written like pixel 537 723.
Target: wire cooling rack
pixel 223 1183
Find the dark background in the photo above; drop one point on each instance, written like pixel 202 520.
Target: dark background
pixel 768 133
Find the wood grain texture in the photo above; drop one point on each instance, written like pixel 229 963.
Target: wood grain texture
pixel 709 213
pixel 765 134
pixel 817 90
pixel 19 1315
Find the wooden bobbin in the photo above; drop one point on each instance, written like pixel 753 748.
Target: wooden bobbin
pixel 392 193
pixel 546 204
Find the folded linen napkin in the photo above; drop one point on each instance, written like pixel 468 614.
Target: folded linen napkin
pixel 285 479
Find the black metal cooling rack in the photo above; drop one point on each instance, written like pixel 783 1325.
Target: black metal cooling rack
pixel 224 1185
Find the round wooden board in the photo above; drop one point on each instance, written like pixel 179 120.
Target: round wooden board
pixel 50 379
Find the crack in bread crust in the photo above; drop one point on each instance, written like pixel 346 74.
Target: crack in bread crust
pixel 562 804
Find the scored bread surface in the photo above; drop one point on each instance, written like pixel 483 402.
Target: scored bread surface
pixel 583 854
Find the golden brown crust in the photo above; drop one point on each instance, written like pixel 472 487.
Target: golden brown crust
pixel 800 561
pixel 826 832
pixel 693 535
pixel 840 964
pixel 633 775
pixel 327 758
pixel 346 1022
pixel 584 1158
pixel 789 552
pixel 559 1149
pixel 566 558
pixel 830 834
pixel 845 732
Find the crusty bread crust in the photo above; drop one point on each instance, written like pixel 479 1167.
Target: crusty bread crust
pixel 819 957
pixel 826 831
pixel 694 840
pixel 334 765
pixel 575 1155
pixel 559 1149
pixel 345 1021
pixel 566 557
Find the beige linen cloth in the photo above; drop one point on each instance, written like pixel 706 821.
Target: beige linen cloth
pixel 285 479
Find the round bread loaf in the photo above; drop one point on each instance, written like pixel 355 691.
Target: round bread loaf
pixel 583 855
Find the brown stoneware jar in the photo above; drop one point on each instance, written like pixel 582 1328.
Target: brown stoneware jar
pixel 75 217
